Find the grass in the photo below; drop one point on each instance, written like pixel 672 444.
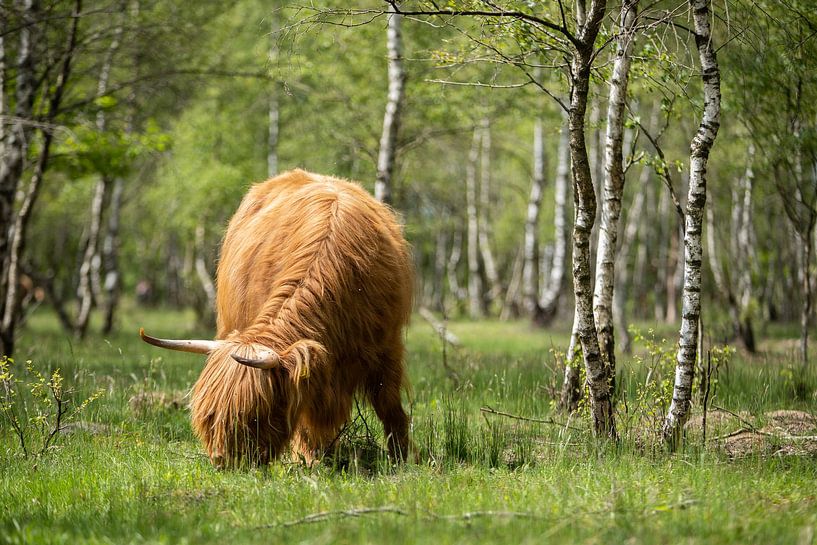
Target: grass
pixel 482 478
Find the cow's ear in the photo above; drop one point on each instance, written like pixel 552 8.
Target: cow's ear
pixel 303 356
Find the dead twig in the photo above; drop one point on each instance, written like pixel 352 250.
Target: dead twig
pixel 738 432
pixel 328 515
pixel 470 515
pixel 751 426
pixel 490 410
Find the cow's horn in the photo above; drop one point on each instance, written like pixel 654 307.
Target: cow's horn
pixel 187 345
pixel 267 359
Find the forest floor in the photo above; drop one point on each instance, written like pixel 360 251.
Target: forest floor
pixel 127 468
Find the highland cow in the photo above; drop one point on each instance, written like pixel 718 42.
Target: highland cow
pixel 314 288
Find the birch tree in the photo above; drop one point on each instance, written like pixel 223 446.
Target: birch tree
pixel 89 269
pixel 475 301
pixel 530 284
pixel 17 134
pixel 613 190
pixel 696 199
pixel 551 291
pixel 10 316
pixel 394 105
pixel 495 292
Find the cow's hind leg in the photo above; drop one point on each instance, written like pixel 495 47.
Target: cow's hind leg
pixel 383 391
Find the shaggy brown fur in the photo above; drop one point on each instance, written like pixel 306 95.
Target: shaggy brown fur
pixel 316 270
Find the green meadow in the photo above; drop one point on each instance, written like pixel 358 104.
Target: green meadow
pixel 127 469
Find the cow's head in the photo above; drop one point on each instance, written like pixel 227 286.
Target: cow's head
pixel 242 404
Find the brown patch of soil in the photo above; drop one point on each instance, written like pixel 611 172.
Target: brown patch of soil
pixel 790 422
pixel 748 443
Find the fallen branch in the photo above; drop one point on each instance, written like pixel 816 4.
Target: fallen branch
pixel 439 327
pixel 328 515
pixel 470 515
pixel 738 432
pixel 490 410
pixel 739 417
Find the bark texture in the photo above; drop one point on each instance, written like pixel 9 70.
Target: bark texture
pixel 613 189
pixel 18 133
pixel 89 292
pixel 551 292
pixel 110 257
pixel 571 384
pixel 394 104
pixel 485 232
pixel 598 377
pixel 16 248
pixel 475 309
pixel 696 200
pixel 530 272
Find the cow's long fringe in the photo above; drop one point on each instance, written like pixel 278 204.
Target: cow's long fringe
pixel 316 270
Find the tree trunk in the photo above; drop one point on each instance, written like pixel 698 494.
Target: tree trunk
pixel 202 273
pixel 451 268
pixel 84 292
pixel 670 268
pixel 3 102
pixel 11 311
pixel 622 264
pixel 89 292
pixel 613 189
pixel 530 272
pixel 19 132
pixel 475 301
pixel 440 258
pixel 495 292
pixel 511 306
pixel 110 258
pixel 696 200
pixel 746 254
pixel 552 291
pixel 598 378
pixel 394 105
pixel 16 249
pixel 806 251
pixel 571 384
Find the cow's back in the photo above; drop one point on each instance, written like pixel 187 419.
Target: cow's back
pixel 319 250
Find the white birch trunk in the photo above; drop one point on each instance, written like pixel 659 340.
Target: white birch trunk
pixel 696 200
pixel 394 104
pixel 203 274
pixel 670 270
pixel 511 306
pixel 530 273
pixel 451 268
pixel 17 247
pixel 485 233
pixel 622 284
pixel 598 378
pixel 746 253
pixel 474 280
pixel 571 384
pixel 613 190
pixel 84 291
pixel 110 257
pixel 18 133
pixel 552 290
pixel 89 291
pixel 3 102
